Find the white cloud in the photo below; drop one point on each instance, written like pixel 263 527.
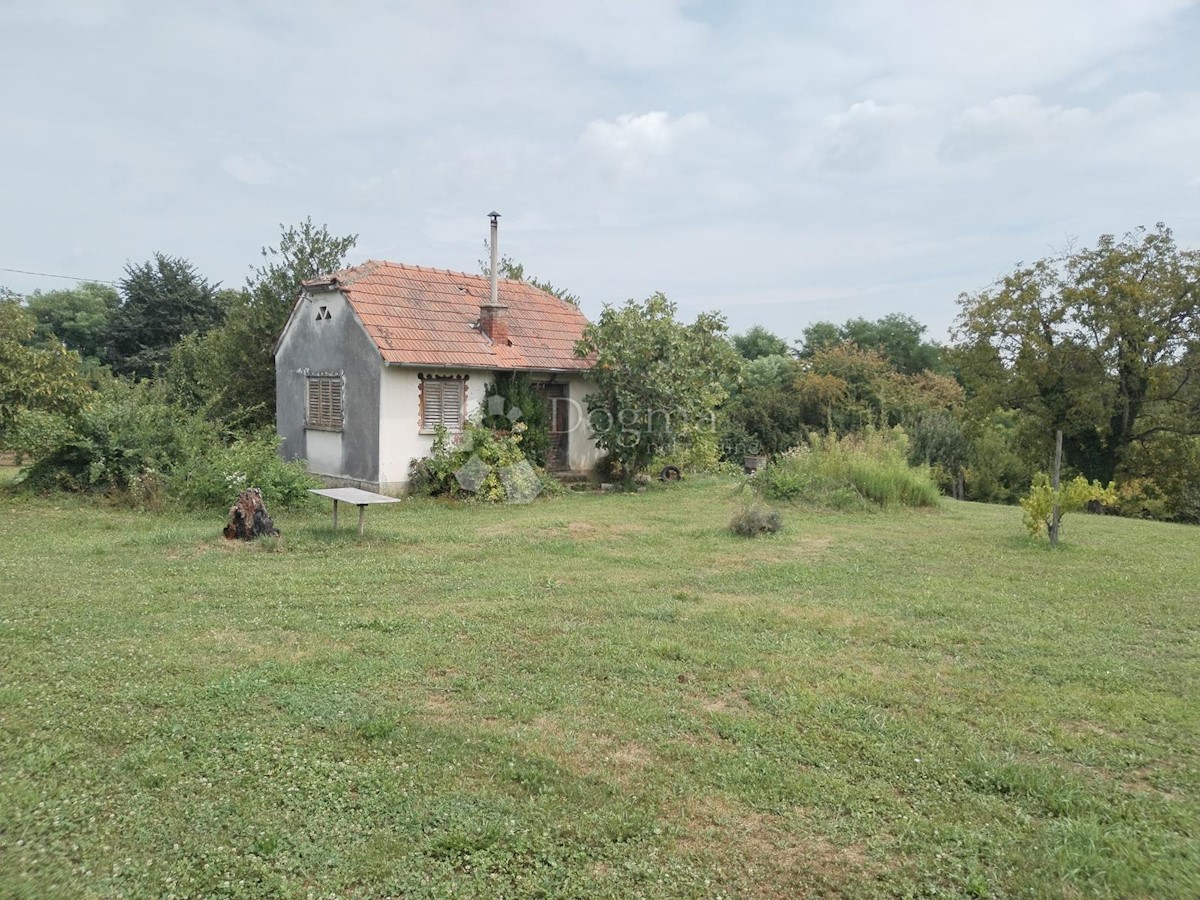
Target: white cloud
pixel 864 135
pixel 940 49
pixel 859 158
pixel 1024 125
pixel 633 144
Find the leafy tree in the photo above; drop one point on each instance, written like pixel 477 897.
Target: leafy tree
pixel 230 371
pixel 1040 502
pixel 768 371
pixel 824 391
pixel 897 337
pixel 818 336
pixel 78 317
pixel 905 398
pixel 758 342
pixel 163 300
pixel 305 251
pixel 1101 342
pixel 657 379
pixel 33 378
pixel 762 420
pixel 852 389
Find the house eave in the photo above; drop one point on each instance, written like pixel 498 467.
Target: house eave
pixel 471 368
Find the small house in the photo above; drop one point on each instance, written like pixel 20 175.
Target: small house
pixel 374 358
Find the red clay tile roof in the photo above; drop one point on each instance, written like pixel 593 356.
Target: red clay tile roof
pixel 429 317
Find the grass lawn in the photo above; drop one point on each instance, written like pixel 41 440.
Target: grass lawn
pixel 597 696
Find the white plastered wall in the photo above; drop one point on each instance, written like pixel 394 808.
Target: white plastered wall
pixel 582 453
pixel 400 437
pixel 324 452
pixel 401 440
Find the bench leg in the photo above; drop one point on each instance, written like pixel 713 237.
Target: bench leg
pixel 362 516
pixel 335 515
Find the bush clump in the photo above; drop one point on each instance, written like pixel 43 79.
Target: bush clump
pixel 1072 496
pixel 855 471
pixel 755 520
pixel 129 442
pixel 216 476
pixel 482 464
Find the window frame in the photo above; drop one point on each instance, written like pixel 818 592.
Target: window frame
pixel 333 417
pixel 444 383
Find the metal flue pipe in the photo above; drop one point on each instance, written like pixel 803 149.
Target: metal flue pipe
pixel 495 217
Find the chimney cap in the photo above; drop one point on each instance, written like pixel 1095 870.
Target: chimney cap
pixel 493 215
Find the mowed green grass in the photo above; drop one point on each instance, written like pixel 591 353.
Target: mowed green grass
pixel 597 696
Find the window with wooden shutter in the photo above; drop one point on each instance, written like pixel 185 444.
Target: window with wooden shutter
pixel 325 402
pixel 442 403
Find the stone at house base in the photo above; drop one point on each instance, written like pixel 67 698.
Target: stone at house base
pixel 248 518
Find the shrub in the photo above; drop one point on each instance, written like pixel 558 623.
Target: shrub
pixel 130 441
pixel 767 419
pixel 850 471
pixel 515 394
pixel 755 520
pixel 1070 497
pixel 482 465
pixel 695 451
pixel 996 471
pixel 218 474
pixel 939 441
pixel 434 474
pixel 125 431
pixel 1160 479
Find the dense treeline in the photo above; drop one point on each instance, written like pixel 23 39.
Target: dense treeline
pixel 167 379
pixel 1102 343
pixel 160 386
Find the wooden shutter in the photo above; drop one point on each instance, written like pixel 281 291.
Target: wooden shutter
pixel 442 401
pixel 452 396
pixel 325 402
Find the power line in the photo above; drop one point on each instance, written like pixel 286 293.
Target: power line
pixel 51 275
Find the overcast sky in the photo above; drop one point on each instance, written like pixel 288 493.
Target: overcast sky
pixel 783 162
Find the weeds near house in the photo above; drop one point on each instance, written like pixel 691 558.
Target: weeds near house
pixel 854 471
pixel 481 464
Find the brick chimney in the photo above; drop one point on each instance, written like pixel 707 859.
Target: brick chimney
pixel 493 321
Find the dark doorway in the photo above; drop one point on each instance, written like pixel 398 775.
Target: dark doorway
pixel 559 423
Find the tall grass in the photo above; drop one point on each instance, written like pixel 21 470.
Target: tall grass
pixel 858 470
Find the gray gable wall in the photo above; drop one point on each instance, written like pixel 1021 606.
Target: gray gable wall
pixel 337 344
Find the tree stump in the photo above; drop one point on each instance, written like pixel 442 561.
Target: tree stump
pixel 248 518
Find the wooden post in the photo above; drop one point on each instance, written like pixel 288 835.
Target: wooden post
pixel 362 516
pixel 1057 512
pixel 335 515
